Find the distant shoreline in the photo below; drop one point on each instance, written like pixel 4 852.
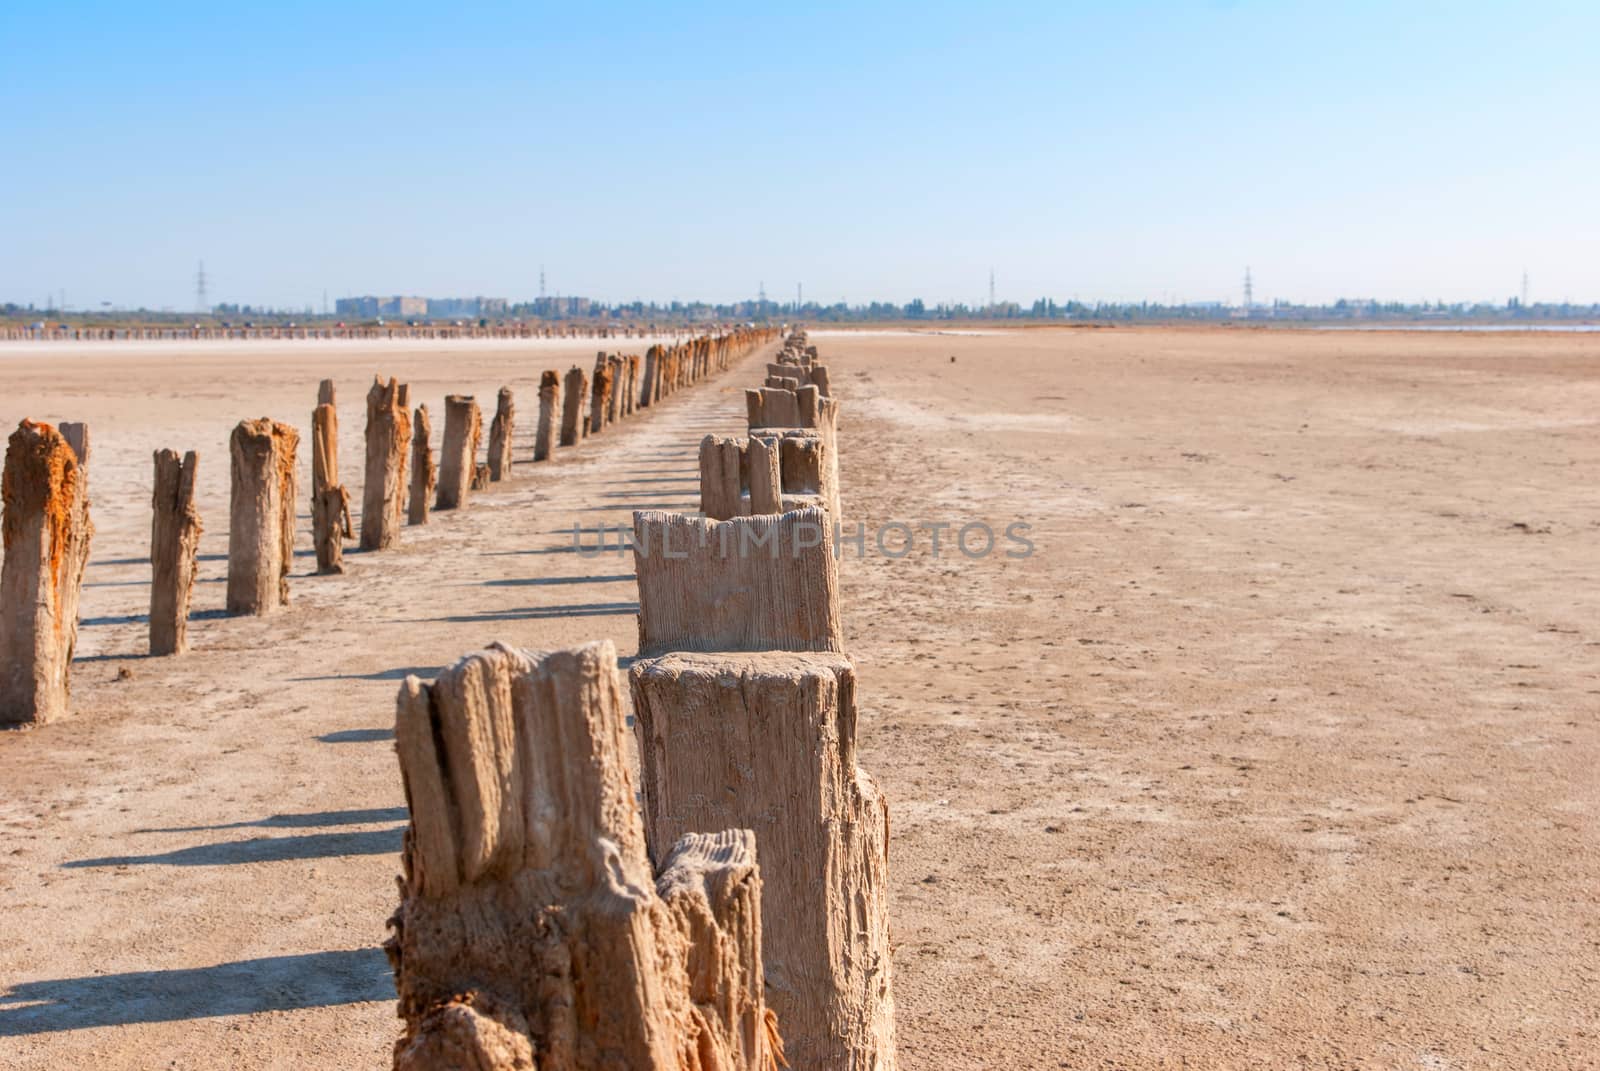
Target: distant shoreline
pixel 15 341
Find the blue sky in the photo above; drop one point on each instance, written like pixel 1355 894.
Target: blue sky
pixel 1108 151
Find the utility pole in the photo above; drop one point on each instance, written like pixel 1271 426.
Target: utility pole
pixel 1249 290
pixel 991 289
pixel 799 300
pixel 201 305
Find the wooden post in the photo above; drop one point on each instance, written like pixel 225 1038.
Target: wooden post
pixel 767 740
pixel 779 408
pixel 77 435
pixel 763 476
pixel 531 927
pixel 652 364
pixel 261 515
pixel 500 433
pixel 424 476
pixel 753 583
pixel 573 393
pixel 600 399
pixel 388 445
pixel 325 392
pixel 719 477
pixel 805 467
pixel 808 401
pixel 47 532
pixel 747 716
pixel 630 397
pixel 549 399
pixel 174 542
pixel 458 456
pixel 330 502
pixel 808 465
pixel 615 389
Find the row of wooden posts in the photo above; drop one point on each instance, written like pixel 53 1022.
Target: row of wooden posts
pixel 730 911
pixel 48 528
pixel 59 333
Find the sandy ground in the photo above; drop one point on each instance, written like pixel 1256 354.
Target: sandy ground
pixel 1280 750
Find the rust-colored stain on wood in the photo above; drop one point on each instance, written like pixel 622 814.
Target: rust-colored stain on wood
pixel 46 467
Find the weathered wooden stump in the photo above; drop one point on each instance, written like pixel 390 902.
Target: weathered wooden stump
pixel 763 476
pixel 47 531
pixel 720 464
pixel 388 447
pixel 261 515
pixel 531 930
pixel 615 389
pixel 174 543
pixel 330 502
pixel 630 385
pixel 500 432
pixel 803 459
pixel 573 393
pixel 650 383
pixel 549 400
pixel 808 465
pixel 480 477
pixel 749 584
pixel 458 456
pixel 424 476
pixel 813 376
pixel 768 740
pixel 77 435
pixel 771 407
pixel 600 394
pixel 809 401
pixel 325 392
pixel 746 714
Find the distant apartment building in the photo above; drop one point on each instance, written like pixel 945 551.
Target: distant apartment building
pixel 452 306
pixel 356 308
pixel 404 306
pixel 557 308
pixel 468 307
pixel 367 308
pixel 411 308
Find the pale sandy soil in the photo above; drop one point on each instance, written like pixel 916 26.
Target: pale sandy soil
pixel 1279 751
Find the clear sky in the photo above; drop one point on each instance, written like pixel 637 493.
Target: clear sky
pixel 662 150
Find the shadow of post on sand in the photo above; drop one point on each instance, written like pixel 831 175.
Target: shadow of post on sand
pixel 271 983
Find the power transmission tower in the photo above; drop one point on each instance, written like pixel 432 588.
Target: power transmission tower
pixel 799 300
pixel 761 298
pixel 541 282
pixel 1524 287
pixel 200 302
pixel 1249 290
pixel 991 289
